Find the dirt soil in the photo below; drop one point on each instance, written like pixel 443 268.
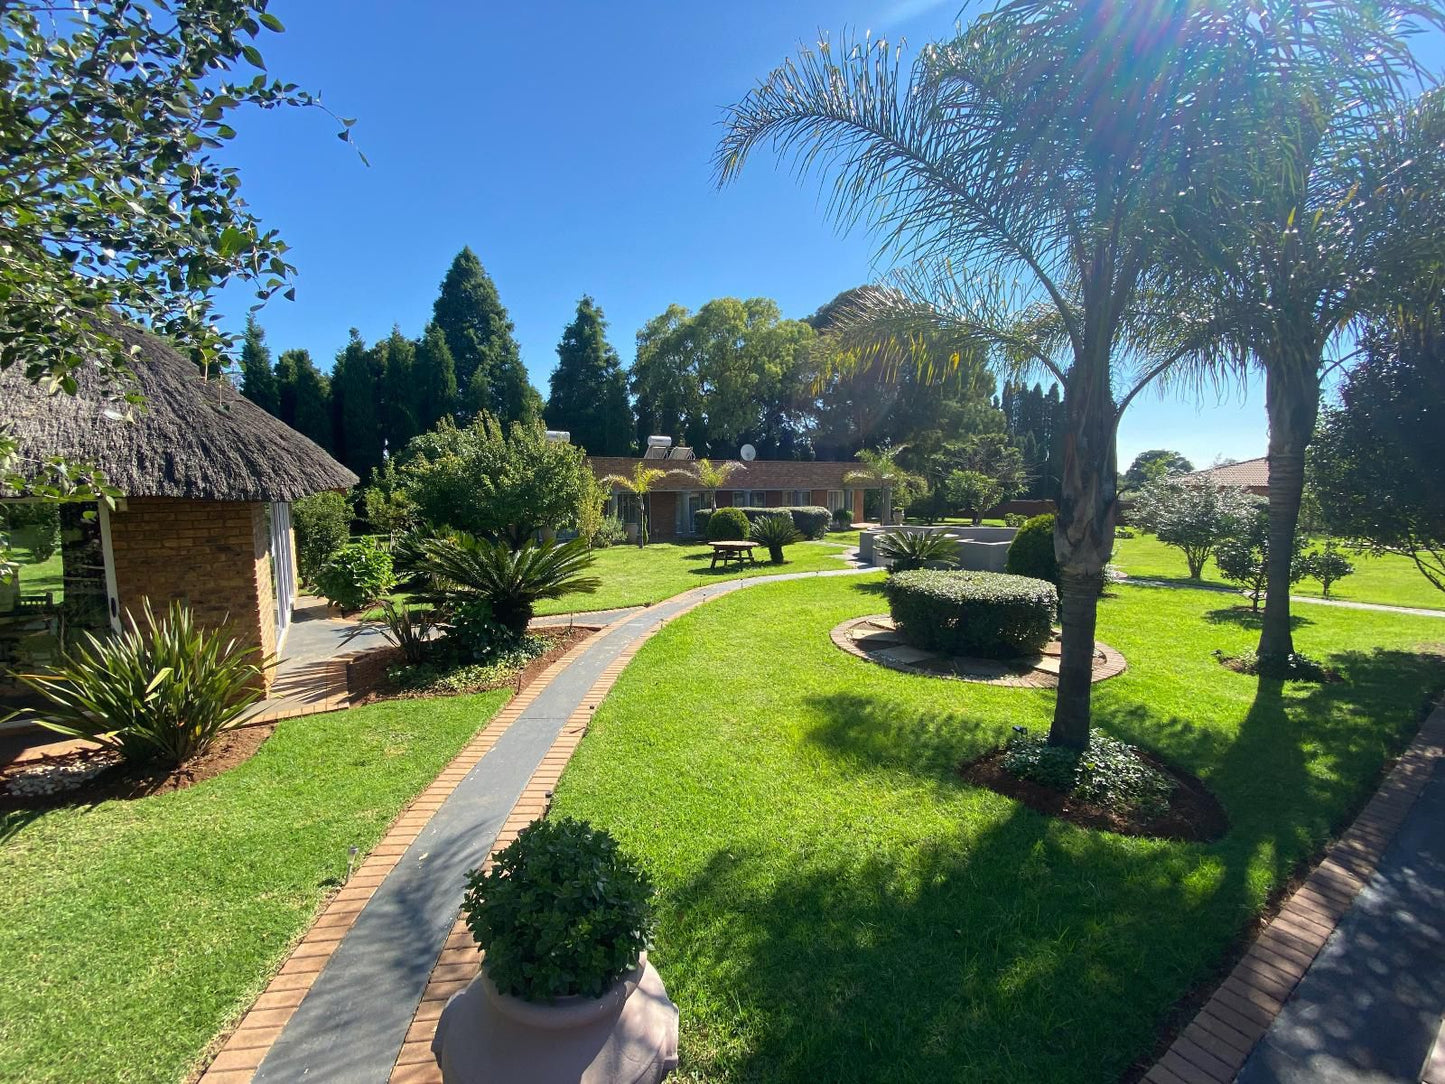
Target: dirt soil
pixel 1194 816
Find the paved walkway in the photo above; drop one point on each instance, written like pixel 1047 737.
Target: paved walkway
pixel 343 1006
pixel 1344 604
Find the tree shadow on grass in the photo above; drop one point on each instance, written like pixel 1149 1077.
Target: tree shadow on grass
pixel 997 948
pixel 1246 618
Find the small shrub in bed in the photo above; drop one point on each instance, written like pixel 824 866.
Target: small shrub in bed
pixel 987 614
pixel 1108 773
pixel 561 911
pixel 1031 553
pixel 842 519
pixel 728 525
pixel 357 574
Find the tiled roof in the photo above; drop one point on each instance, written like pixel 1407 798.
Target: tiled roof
pixel 759 474
pixel 1250 473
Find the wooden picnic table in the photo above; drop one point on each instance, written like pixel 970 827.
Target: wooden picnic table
pixel 733 552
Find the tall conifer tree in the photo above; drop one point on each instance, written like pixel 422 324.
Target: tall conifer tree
pixel 589 388
pixel 304 397
pixel 489 369
pixel 400 397
pixel 258 379
pixel 435 378
pixel 355 387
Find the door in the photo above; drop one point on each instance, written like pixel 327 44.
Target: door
pixel 283 568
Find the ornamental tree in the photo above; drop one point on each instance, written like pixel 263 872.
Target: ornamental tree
pixel 1193 517
pixel 1244 558
pixel 972 493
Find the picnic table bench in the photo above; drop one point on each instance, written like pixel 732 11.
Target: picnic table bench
pixel 733 553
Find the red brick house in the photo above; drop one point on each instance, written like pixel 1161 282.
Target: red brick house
pixel 763 483
pixel 1250 474
pixel 207 478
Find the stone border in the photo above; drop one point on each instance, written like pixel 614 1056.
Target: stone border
pixel 1214 1046
pixel 1112 664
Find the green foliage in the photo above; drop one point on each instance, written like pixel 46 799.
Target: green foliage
pixel 727 524
pixel 322 523
pixel 158 694
pixel 491 480
pixel 117 195
pixel 910 550
pixel 1155 465
pixel 258 377
pixel 591 502
pixel 473 633
pixel 356 404
pixel 304 393
pixel 407 627
pixel 987 614
pixel 385 503
pixel 33 524
pixel 972 493
pixel 1193 517
pixel 489 371
pixel 1108 773
pixel 1244 558
pixel 1014 519
pixel 1328 566
pixel 436 379
pixel 640 484
pixel 810 520
pixel 1031 553
pixel 775 532
pixel 611 531
pixel 588 387
pixel 880 467
pixel 446 672
pixel 842 519
pixel 475 570
pixel 1294 667
pixel 562 911
pixel 356 575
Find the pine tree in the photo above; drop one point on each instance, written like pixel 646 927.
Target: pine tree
pixel 356 406
pixel 395 363
pixel 304 397
pixel 436 379
pixel 258 380
pixel 488 362
pixel 589 388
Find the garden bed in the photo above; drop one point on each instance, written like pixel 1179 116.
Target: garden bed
pixel 1194 815
pixel 374 676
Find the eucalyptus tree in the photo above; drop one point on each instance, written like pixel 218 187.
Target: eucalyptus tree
pixel 1029 169
pixel 1331 206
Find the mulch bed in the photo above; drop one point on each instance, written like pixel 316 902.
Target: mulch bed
pixel 1194 816
pixel 120 783
pixel 367 681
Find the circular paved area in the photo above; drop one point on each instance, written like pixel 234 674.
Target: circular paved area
pixel 874 638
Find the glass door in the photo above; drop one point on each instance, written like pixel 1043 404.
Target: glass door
pixel 283 568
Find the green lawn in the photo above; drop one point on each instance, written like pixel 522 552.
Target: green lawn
pixel 633 576
pixel 1389 578
pixel 132 932
pixel 835 904
pixel 37 577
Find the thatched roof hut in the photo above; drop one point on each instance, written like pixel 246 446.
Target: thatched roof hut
pixel 192 438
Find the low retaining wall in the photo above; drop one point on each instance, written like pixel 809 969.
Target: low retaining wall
pixel 983 549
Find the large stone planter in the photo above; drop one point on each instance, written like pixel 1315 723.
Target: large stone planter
pixel 627 1035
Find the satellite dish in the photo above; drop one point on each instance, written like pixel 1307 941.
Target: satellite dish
pixel 749 453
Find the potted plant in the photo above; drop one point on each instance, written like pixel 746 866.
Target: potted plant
pixel 565 992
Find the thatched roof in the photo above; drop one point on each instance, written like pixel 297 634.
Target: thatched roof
pixel 192 438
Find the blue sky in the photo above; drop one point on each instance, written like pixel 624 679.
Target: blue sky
pixel 570 146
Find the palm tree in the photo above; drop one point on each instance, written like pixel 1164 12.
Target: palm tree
pixel 881 470
pixel 640 484
pixel 1333 209
pixel 712 476
pixel 1029 169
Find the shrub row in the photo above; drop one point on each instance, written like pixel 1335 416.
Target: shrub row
pixel 811 520
pixel 988 614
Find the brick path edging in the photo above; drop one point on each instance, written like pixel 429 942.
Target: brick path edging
pixel 1214 1046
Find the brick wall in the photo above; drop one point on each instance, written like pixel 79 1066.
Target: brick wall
pixel 211 555
pixel 662 521
pixel 819 497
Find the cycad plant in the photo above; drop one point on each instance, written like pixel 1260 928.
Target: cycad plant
pixel 909 550
pixel 775 532
pixel 470 570
pixel 159 693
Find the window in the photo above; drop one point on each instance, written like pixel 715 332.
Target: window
pixel 835 500
pixel 740 498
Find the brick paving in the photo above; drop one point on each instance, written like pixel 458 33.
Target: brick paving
pixel 1215 1045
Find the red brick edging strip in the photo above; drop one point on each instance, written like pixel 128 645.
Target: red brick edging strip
pixel 1214 1046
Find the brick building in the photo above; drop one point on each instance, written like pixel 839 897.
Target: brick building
pixel 207 478
pixel 762 483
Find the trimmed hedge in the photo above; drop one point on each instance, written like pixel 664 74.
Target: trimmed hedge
pixel 727 525
pixel 811 520
pixel 1032 551
pixel 988 614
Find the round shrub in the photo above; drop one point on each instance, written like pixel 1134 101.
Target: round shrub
pixel 728 525
pixel 842 519
pixel 322 523
pixel 987 614
pixel 561 911
pixel 1032 551
pixel 357 573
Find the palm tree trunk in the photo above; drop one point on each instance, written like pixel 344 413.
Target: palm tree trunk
pixel 1083 542
pixel 1292 399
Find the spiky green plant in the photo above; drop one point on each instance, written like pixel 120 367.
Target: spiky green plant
pixel 470 569
pixel 775 532
pixel 159 693
pixel 908 550
pixel 407 627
